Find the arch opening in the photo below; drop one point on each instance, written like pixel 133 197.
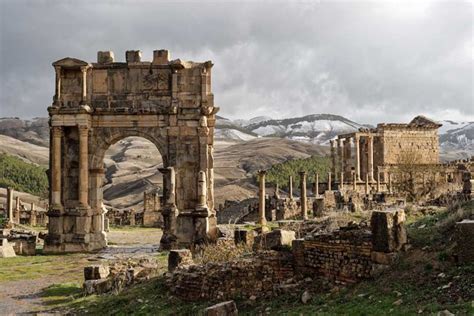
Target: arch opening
pixel 132 189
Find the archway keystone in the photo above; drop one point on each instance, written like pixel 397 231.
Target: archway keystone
pixel 167 102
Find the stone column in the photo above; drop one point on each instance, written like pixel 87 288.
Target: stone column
pixel 10 205
pixel 357 157
pixel 329 181
pixel 17 210
pixel 202 188
pixel 57 95
pixel 333 156
pixel 83 166
pixel 132 217
pixel 33 221
pixel 316 184
pixel 290 187
pixel 340 156
pixel 55 154
pixel 347 156
pixel 261 198
pixel 84 85
pixel 303 196
pixel 277 189
pixel 370 161
pixel 341 181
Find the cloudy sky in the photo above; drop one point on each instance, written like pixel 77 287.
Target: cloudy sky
pixel 368 61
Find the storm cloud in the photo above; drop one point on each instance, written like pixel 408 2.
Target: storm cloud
pixel 368 61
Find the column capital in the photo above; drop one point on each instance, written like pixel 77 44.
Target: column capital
pixel 302 173
pixel 262 172
pixel 57 131
pixel 83 129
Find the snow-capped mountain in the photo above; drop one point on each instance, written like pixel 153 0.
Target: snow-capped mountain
pixel 457 139
pixel 315 128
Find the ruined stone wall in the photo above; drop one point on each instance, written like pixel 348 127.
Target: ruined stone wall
pixel 242 278
pixel 400 144
pixel 340 256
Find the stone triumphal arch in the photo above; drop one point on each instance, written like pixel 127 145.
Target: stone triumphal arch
pixel 168 102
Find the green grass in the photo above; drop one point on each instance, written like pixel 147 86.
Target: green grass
pixel 34 267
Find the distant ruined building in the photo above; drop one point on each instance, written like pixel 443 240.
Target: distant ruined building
pixel 365 153
pixel 168 102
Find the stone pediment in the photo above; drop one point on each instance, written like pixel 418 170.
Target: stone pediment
pixel 69 62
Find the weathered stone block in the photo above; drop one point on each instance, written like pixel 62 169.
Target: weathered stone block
pixel 96 272
pixel 228 308
pixel 464 235
pixel 161 57
pixel 105 57
pixel 276 239
pixel 383 257
pixel 6 249
pixel 100 286
pixel 244 236
pixel 178 258
pixel 133 56
pixel 388 231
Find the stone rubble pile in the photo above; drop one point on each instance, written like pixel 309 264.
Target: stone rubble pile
pixel 100 279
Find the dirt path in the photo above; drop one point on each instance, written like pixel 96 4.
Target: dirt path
pixel 24 279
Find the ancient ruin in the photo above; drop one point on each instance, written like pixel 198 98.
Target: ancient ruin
pixel 168 102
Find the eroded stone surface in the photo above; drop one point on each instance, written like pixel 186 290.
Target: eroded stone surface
pixel 95 105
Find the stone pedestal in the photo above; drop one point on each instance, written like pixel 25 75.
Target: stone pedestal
pixel 464 235
pixel 388 230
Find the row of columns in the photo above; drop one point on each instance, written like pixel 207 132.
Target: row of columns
pixel 341 153
pixel 56 157
pixel 262 195
pixel 13 214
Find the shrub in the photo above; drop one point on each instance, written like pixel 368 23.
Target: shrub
pixel 279 173
pixel 23 176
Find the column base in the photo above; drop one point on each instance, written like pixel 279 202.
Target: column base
pixel 68 243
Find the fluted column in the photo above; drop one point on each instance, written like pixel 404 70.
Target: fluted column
pixel 303 195
pixel 370 160
pixel 261 198
pixel 83 166
pixel 357 157
pixel 56 166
